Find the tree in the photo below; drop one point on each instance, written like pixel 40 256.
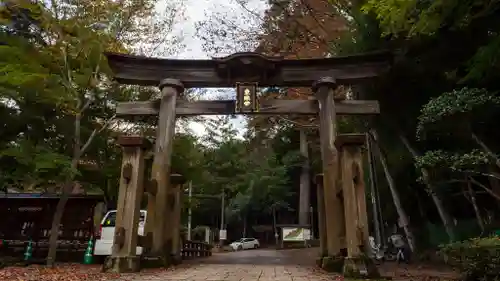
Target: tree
pixel 394 193
pixel 453 19
pixel 460 114
pixel 67 73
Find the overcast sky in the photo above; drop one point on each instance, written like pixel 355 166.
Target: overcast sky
pixel 200 11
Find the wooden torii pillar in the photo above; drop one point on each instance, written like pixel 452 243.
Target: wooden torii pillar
pixel 334 206
pixel 356 262
pixel 323 251
pixel 325 90
pixel 353 229
pixel 174 225
pixel 157 224
pixel 123 257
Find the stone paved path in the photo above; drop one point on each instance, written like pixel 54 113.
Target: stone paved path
pixel 251 265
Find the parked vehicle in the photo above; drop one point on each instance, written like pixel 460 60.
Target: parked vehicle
pixel 105 236
pixel 244 244
pixel 395 250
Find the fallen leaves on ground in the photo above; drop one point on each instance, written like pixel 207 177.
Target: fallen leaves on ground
pixel 417 271
pixel 67 272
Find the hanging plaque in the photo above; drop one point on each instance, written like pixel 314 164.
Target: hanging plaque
pixel 246 98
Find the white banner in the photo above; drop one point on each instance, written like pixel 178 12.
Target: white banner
pixel 222 234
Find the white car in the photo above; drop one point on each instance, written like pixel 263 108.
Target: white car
pixel 105 237
pixel 244 244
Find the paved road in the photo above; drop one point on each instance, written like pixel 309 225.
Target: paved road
pixel 264 257
pixel 251 265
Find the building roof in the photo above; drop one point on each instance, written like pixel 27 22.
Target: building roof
pixel 4 195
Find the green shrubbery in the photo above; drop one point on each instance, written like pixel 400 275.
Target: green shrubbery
pixel 477 259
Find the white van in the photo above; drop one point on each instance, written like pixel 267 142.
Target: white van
pixel 104 239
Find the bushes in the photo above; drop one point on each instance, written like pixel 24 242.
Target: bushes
pixel 477 259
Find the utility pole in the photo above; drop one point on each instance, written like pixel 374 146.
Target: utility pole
pixel 190 195
pixel 276 235
pixel 311 221
pixel 222 233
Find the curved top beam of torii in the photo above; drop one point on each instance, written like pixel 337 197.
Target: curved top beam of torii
pixel 248 67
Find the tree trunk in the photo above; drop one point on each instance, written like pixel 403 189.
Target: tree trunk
pixel 489 191
pixel 56 219
pixel 66 190
pixel 78 151
pixel 395 194
pixel 473 200
pixel 305 188
pixel 494 182
pixel 443 213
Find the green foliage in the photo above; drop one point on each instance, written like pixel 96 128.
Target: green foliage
pixel 457 103
pixel 413 17
pixel 438 159
pixel 467 20
pixel 476 259
pixel 255 179
pixel 56 89
pixel 393 15
pixel 34 166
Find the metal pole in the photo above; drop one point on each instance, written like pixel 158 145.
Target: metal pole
pixel 190 192
pixel 376 215
pixel 222 210
pixel 311 223
pixel 275 227
pixel 222 216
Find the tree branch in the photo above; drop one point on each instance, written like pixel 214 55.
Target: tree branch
pixel 85 106
pixel 492 175
pixel 94 134
pixel 474 181
pixel 298 123
pixel 486 148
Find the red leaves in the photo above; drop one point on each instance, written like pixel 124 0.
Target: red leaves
pixel 69 272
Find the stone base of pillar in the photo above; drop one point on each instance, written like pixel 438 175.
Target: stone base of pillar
pixel 122 264
pixel 360 267
pixel 332 263
pixel 155 261
pixel 176 259
pixel 319 262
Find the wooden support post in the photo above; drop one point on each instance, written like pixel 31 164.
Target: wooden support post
pixel 175 225
pixel 363 227
pixel 305 188
pixel 321 216
pixel 158 254
pixel 340 196
pixel 324 89
pixel 356 220
pixel 267 107
pixel 350 206
pixel 124 258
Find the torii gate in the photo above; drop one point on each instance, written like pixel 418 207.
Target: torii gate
pixel 245 71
